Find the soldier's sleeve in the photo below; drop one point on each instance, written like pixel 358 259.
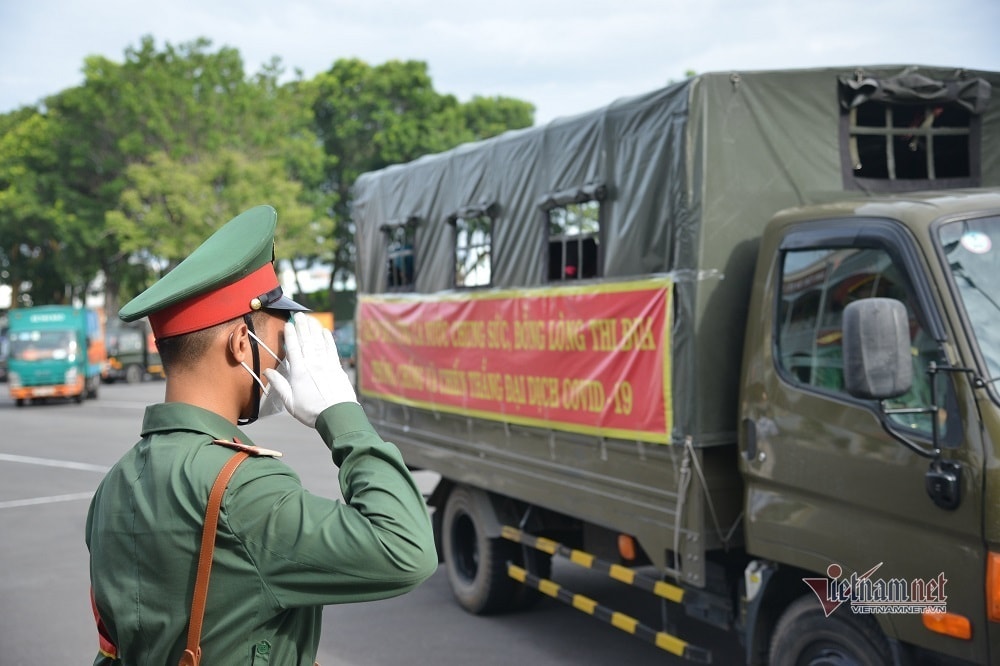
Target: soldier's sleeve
pixel 311 550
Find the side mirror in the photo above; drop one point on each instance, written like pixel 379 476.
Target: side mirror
pixel 876 349
pixel 878 366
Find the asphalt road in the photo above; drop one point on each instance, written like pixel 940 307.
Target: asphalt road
pixel 53 456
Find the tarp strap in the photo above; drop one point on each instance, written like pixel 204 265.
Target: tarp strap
pixel 912 88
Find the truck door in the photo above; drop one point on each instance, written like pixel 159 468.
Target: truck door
pixel 829 489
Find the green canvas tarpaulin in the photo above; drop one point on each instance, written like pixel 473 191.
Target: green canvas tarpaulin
pixel 689 175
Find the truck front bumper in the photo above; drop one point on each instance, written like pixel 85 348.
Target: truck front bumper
pixel 49 391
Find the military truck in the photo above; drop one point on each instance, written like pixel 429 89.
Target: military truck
pixel 132 353
pixel 4 353
pixel 733 342
pixel 56 351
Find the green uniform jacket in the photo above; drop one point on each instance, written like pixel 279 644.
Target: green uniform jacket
pixel 281 553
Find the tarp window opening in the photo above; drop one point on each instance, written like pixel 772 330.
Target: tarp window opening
pixel 911 132
pixel 910 143
pixel 474 245
pixel 574 241
pixel 401 263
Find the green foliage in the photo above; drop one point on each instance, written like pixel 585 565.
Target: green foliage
pixel 492 116
pixel 171 206
pixel 370 117
pixel 33 252
pixel 124 175
pixel 167 146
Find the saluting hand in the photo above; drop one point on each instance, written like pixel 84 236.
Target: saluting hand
pixel 315 378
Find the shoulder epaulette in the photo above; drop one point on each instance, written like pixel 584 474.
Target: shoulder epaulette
pixel 252 450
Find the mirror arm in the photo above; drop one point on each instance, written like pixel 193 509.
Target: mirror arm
pixel 932 453
pixel 943 479
pixel 977 381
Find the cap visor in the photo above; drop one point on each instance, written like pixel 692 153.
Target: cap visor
pixel 285 303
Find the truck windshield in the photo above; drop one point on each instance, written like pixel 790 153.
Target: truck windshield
pixel 42 345
pixel 972 248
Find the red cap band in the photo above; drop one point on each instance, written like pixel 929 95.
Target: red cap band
pixel 213 307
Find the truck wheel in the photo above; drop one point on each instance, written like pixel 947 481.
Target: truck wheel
pixel 19 402
pixel 805 637
pixel 133 374
pixel 476 564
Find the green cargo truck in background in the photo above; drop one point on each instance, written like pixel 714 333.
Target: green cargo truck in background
pixel 734 342
pixel 56 351
pixel 4 351
pixel 132 353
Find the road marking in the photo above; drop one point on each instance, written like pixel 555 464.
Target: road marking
pixel 49 462
pixel 51 499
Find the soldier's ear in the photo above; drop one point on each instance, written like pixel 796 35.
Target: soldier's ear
pixel 238 343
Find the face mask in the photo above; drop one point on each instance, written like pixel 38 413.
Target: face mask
pixel 270 401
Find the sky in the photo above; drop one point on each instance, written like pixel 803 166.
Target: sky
pixel 563 56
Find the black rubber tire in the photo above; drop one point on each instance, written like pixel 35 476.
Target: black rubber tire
pixel 476 564
pixel 804 636
pixel 19 402
pixel 133 374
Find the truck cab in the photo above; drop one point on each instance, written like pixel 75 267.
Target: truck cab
pixel 56 351
pixel 839 482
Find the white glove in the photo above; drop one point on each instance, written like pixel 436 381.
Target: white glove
pixel 315 378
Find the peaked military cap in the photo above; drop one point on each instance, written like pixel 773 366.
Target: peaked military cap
pixel 230 274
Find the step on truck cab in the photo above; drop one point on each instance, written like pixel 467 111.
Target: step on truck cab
pixel 731 342
pixel 56 351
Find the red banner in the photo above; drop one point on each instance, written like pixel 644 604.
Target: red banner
pixel 593 359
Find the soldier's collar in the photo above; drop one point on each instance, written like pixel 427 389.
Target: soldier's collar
pixel 179 416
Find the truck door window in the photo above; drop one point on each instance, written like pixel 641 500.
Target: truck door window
pixel 574 241
pixel 816 286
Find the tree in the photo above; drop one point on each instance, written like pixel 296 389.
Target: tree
pixel 37 260
pixel 169 145
pixel 370 117
pixel 170 206
pixel 490 116
pixel 124 175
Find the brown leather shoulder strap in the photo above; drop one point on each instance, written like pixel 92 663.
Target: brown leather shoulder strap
pixel 192 655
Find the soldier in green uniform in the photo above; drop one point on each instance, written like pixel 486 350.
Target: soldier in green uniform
pixel 281 553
